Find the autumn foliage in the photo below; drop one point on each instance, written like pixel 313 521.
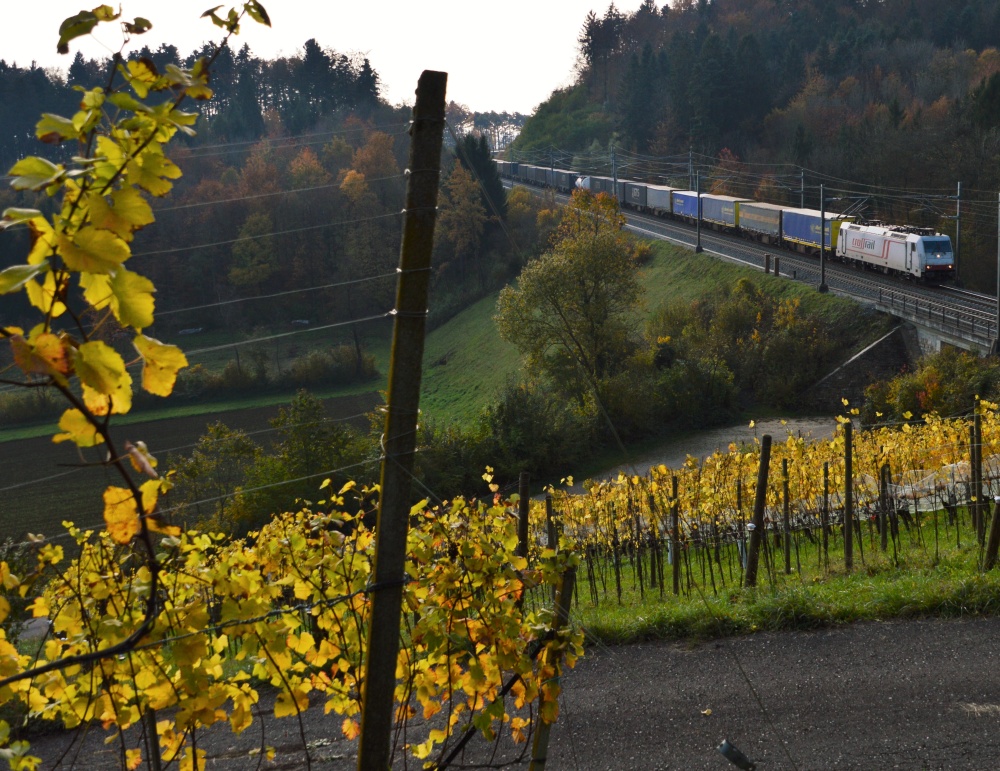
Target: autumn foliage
pixel 179 630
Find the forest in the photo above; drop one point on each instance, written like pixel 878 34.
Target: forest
pixel 286 214
pixel 897 100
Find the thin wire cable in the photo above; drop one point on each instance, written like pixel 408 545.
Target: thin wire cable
pixel 285 293
pixel 266 338
pixel 240 239
pixel 256 196
pixel 160 512
pixel 168 450
pixel 274 141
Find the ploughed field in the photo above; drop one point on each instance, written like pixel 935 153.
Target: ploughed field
pixel 42 483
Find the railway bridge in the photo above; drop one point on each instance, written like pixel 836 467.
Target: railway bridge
pixel 940 323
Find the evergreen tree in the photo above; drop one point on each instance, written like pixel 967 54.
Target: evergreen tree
pixel 637 113
pixel 474 154
pixel 367 86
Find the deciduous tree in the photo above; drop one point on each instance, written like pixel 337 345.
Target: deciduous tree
pixel 571 313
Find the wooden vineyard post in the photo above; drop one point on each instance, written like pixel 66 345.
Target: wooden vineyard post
pixel 540 747
pixel 990 556
pixel 742 535
pixel 977 470
pixel 972 477
pixel 826 515
pixel 786 520
pixel 848 516
pixel 399 439
pixel 675 559
pixel 655 566
pixel 757 524
pixel 523 510
pixel 550 524
pixel 883 515
pixel 552 535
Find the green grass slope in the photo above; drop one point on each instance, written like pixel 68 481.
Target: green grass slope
pixel 465 363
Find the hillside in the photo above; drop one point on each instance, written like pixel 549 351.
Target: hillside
pixel 465 365
pixel 893 104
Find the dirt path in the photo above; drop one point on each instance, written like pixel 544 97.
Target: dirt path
pixel 907 695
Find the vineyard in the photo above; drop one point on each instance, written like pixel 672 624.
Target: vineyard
pixel 917 495
pixel 289 611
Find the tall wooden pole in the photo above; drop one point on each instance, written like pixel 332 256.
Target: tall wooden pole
pixel 399 439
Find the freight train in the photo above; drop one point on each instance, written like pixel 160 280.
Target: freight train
pixel 918 253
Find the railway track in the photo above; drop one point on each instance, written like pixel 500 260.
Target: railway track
pixel 971 316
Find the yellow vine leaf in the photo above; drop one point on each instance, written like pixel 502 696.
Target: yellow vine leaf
pixel 133 759
pixel 151 170
pixel 132 299
pixel 161 364
pixel 120 514
pixel 142 76
pixel 118 402
pixel 110 157
pixel 286 703
pixel 43 240
pixel 193 759
pixel 34 173
pixel 100 367
pixel 43 296
pixel 351 729
pixel 16 276
pixel 92 250
pixel 77 429
pixel 129 295
pixel 126 212
pixel 44 355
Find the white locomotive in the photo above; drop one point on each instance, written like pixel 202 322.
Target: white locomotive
pixel 916 252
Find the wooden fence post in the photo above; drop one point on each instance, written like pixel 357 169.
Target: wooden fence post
pixel 399 439
pixel 757 525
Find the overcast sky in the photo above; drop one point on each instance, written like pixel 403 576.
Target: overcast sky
pixel 499 56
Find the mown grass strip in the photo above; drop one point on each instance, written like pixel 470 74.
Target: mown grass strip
pixel 877 591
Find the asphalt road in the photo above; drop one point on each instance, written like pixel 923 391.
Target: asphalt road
pixel 907 695
pixel 901 695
